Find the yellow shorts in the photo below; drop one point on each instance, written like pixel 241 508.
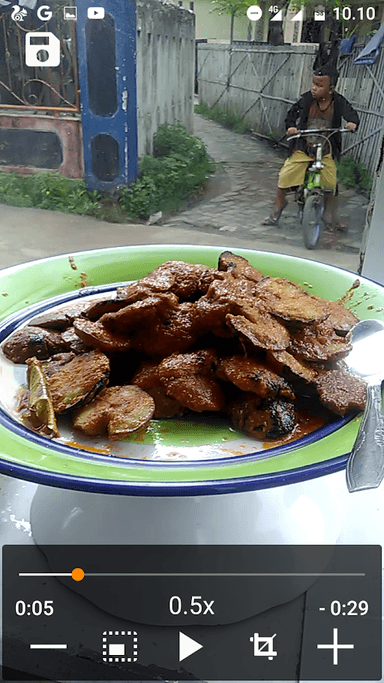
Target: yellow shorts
pixel 293 171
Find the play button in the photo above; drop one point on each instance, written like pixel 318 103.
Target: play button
pixel 187 646
pixel 96 13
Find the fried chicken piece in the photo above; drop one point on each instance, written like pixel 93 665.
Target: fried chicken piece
pixel 262 418
pixel 189 378
pixel 288 301
pixel 263 330
pixel 253 375
pixel 33 341
pixel 239 267
pixel 118 410
pixel 341 391
pixel 147 378
pixel 318 342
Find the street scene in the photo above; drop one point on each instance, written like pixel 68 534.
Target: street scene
pixel 236 200
pixel 266 66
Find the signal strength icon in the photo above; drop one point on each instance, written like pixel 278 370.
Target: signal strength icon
pixel 299 16
pixel 278 16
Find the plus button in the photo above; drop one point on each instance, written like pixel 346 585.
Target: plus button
pixel 335 646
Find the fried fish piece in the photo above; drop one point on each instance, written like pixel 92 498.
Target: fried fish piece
pixel 319 342
pixel 190 379
pixel 253 375
pixel 102 306
pixel 340 317
pixel 340 390
pixel 61 319
pixel 78 381
pixel 224 296
pixel 75 344
pixel 120 411
pixel 97 336
pixel 262 418
pixel 33 341
pixel 174 334
pixel 263 330
pixel 284 359
pixel 289 301
pixel 177 277
pixel 239 267
pixel 147 378
pixel 140 314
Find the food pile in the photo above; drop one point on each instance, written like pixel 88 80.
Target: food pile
pixel 189 338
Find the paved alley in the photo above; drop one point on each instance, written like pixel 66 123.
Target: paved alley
pixel 242 192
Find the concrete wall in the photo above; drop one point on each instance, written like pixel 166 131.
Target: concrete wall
pixel 165 68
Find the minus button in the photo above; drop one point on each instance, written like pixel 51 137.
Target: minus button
pixel 48 646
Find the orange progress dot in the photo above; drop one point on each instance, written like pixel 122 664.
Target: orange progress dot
pixel 78 574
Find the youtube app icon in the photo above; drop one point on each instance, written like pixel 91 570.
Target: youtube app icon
pixel 96 13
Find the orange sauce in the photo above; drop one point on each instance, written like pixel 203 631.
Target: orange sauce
pixel 92 449
pixel 307 422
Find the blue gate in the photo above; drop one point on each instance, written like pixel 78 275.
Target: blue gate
pixel 106 45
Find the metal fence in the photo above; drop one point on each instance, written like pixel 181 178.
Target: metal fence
pixel 38 88
pixel 260 83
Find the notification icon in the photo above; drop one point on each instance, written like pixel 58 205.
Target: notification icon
pixel 254 13
pixel 96 13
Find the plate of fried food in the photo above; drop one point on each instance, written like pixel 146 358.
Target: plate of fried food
pixel 178 370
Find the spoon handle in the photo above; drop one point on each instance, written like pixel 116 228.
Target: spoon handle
pixel 365 467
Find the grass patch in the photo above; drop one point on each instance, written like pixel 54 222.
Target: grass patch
pixel 179 165
pixel 352 173
pixel 228 117
pixel 48 191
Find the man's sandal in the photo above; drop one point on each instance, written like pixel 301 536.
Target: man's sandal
pixel 338 227
pixel 273 219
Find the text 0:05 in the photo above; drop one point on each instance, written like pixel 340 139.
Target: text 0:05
pixel 35 608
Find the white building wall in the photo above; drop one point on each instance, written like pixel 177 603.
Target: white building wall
pixel 165 68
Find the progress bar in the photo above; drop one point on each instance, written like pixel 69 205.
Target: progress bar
pixel 173 574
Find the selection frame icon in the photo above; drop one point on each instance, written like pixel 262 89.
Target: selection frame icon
pixel 120 646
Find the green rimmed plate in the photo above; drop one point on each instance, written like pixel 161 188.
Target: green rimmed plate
pixel 28 456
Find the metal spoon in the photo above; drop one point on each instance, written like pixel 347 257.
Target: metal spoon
pixel 365 467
